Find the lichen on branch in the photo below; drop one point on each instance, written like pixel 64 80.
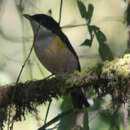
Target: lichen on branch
pixel 107 78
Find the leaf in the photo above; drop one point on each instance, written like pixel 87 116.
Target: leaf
pixel 82 9
pixel 94 28
pixel 100 36
pixel 85 14
pixel 91 30
pixel 105 52
pixel 90 12
pixel 87 42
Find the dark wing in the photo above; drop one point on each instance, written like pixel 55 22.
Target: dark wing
pixel 68 44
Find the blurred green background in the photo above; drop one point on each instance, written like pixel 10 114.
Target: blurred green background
pixel 16 38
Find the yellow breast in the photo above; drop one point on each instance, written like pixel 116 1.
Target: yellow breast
pixel 57 45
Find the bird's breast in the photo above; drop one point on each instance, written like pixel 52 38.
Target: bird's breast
pixel 55 55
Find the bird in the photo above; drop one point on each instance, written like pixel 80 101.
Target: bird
pixel 55 52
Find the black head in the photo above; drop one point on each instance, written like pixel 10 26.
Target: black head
pixel 44 20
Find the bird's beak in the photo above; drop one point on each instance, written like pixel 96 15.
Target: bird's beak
pixel 29 17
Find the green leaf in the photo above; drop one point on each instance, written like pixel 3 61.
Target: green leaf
pixel 91 30
pixel 100 36
pixel 105 52
pixel 87 42
pixel 94 28
pixel 90 12
pixel 85 14
pixel 82 9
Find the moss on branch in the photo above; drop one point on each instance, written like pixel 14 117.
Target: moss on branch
pixel 109 78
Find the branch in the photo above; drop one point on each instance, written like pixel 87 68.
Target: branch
pixel 56 119
pixel 109 78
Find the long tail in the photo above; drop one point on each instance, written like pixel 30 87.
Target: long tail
pixel 79 99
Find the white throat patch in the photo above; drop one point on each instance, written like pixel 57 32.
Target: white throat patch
pixel 45 37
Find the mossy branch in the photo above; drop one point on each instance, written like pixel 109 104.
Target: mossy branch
pixel 109 78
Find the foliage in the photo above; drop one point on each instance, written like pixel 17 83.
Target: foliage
pixel 109 78
pixel 105 53
pixel 113 82
pixel 104 50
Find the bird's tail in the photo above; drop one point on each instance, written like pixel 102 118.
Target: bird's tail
pixel 79 99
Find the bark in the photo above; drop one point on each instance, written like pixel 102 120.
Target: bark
pixel 109 78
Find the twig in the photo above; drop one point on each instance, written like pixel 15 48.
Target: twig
pixel 73 26
pixel 125 116
pixel 57 118
pixel 14 91
pixel 60 13
pixel 61 3
pixel 48 108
